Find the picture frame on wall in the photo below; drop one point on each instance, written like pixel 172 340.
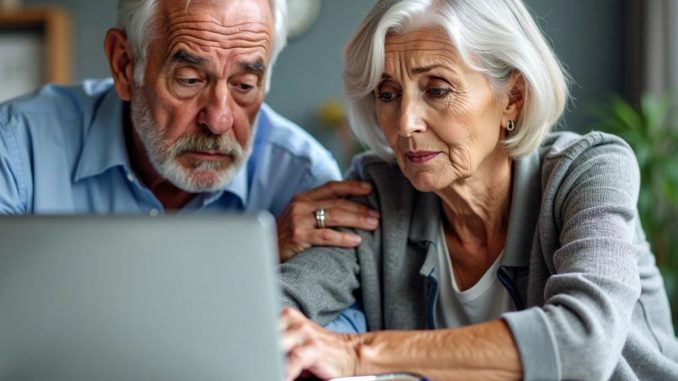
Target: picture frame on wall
pixel 35 48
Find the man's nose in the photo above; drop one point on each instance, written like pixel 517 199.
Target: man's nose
pixel 217 112
pixel 411 118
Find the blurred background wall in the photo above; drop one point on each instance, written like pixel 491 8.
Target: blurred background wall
pixel 586 35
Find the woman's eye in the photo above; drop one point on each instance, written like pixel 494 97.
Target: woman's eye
pixel 439 92
pixel 386 96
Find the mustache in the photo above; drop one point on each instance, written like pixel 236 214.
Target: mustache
pixel 207 143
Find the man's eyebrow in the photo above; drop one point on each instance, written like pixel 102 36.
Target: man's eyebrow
pixel 258 67
pixel 185 57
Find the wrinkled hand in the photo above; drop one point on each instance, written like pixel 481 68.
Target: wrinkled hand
pixel 313 349
pixel 297 226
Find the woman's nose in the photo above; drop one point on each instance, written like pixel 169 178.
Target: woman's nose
pixel 411 117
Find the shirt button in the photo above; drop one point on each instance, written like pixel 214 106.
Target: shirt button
pixel 153 212
pixel 130 177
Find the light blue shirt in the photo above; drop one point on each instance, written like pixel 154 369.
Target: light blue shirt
pixel 62 150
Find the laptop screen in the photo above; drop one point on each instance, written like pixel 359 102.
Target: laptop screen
pixel 138 298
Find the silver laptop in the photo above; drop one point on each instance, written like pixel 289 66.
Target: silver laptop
pixel 138 298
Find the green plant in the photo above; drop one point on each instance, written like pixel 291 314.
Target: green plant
pixel 651 129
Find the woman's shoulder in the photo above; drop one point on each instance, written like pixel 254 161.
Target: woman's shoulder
pixel 570 158
pixel 368 165
pixel 390 184
pixel 570 145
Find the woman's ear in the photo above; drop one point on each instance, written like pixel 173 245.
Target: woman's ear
pixel 516 92
pixel 120 62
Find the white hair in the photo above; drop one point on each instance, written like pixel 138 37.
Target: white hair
pixel 495 37
pixel 136 19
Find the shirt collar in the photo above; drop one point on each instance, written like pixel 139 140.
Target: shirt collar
pixel 237 187
pixel 105 148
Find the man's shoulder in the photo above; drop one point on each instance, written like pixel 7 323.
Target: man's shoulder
pixel 53 110
pixel 285 160
pixel 54 115
pixel 274 130
pixel 42 136
pixel 288 150
pixel 63 101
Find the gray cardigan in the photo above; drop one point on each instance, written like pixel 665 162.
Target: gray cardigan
pixel 591 302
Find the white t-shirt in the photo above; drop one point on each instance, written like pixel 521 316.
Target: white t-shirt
pixel 485 301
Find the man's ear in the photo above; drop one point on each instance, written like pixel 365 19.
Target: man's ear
pixel 119 54
pixel 516 91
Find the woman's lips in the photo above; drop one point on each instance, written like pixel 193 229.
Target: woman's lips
pixel 421 156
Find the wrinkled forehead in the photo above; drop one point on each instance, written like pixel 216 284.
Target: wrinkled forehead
pixel 424 44
pixel 434 39
pixel 217 21
pixel 234 10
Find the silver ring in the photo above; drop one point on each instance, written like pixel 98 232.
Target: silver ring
pixel 320 218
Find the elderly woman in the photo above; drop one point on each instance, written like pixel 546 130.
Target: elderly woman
pixel 505 251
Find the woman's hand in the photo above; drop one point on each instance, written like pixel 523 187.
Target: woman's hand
pixel 484 351
pixel 298 225
pixel 311 348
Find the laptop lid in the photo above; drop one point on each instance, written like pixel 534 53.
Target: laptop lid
pixel 138 298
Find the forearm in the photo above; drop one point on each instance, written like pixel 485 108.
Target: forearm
pixel 479 352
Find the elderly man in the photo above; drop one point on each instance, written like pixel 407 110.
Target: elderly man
pixel 179 127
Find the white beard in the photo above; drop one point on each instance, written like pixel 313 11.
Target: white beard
pixel 202 176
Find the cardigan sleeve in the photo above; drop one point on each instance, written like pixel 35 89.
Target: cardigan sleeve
pixel 589 235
